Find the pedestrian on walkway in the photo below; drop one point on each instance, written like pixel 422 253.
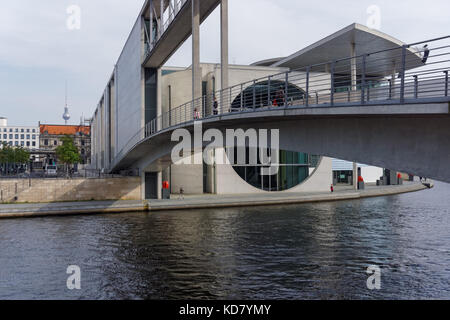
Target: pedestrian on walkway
pixel 215 107
pixel 332 188
pixel 181 193
pixel 196 114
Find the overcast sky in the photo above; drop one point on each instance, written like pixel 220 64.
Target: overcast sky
pixel 38 53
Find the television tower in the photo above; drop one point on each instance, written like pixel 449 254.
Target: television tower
pixel 66 115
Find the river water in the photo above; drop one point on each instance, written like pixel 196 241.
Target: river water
pixel 310 251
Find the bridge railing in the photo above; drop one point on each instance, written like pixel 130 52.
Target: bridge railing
pixel 408 74
pixel 397 76
pixel 174 8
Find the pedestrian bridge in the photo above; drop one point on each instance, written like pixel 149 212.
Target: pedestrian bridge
pixel 399 121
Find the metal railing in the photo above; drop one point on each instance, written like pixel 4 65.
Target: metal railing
pixel 172 11
pixel 409 74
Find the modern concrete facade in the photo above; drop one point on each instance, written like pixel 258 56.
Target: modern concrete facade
pixel 143 97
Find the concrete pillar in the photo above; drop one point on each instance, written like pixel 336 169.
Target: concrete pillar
pixel 355 175
pixel 161 19
pixel 159 99
pixel 151 22
pixel 196 74
pixel 142 172
pixel 224 43
pixel 159 187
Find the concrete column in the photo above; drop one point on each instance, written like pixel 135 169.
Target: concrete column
pixel 224 42
pixel 196 75
pixel 161 19
pixel 151 22
pixel 159 98
pixel 355 175
pixel 142 185
pixel 159 187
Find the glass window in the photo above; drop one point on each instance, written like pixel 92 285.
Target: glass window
pixel 28 136
pixel 5 136
pixel 22 136
pixel 22 143
pixel 28 130
pixel 34 130
pixel 10 136
pixel 46 142
pixel 34 136
pixel 21 130
pixel 16 143
pixel 16 136
pixel 34 144
pixel 55 142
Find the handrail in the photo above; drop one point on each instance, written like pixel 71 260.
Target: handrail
pixel 305 87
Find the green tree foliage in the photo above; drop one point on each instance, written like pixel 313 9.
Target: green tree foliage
pixel 16 155
pixel 11 157
pixel 67 153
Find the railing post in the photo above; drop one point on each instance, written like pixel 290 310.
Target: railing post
pixel 269 100
pixel 446 83
pixel 348 94
pixel 230 102
pixel 242 96
pixel 332 82
pixel 286 89
pixel 390 89
pixel 402 73
pixel 416 87
pixel 307 86
pixel 254 95
pixel 363 80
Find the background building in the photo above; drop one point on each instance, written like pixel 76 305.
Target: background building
pixel 51 137
pixel 19 136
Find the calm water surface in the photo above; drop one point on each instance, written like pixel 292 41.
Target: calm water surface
pixel 311 251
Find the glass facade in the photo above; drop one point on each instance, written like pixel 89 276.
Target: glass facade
pixel 150 94
pixel 294 166
pixel 265 93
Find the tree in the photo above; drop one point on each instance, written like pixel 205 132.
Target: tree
pixel 68 153
pixel 12 157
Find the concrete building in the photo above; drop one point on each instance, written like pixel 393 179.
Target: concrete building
pixel 51 137
pixel 19 136
pixel 141 89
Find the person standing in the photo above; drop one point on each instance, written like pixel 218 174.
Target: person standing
pixel 215 107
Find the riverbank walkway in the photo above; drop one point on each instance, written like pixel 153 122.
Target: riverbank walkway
pixel 200 201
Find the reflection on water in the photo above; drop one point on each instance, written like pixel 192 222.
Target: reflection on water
pixel 310 251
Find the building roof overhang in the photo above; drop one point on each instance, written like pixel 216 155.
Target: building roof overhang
pixel 339 46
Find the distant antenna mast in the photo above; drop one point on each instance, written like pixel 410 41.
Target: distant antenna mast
pixel 66 115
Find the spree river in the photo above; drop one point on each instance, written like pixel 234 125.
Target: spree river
pixel 310 251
